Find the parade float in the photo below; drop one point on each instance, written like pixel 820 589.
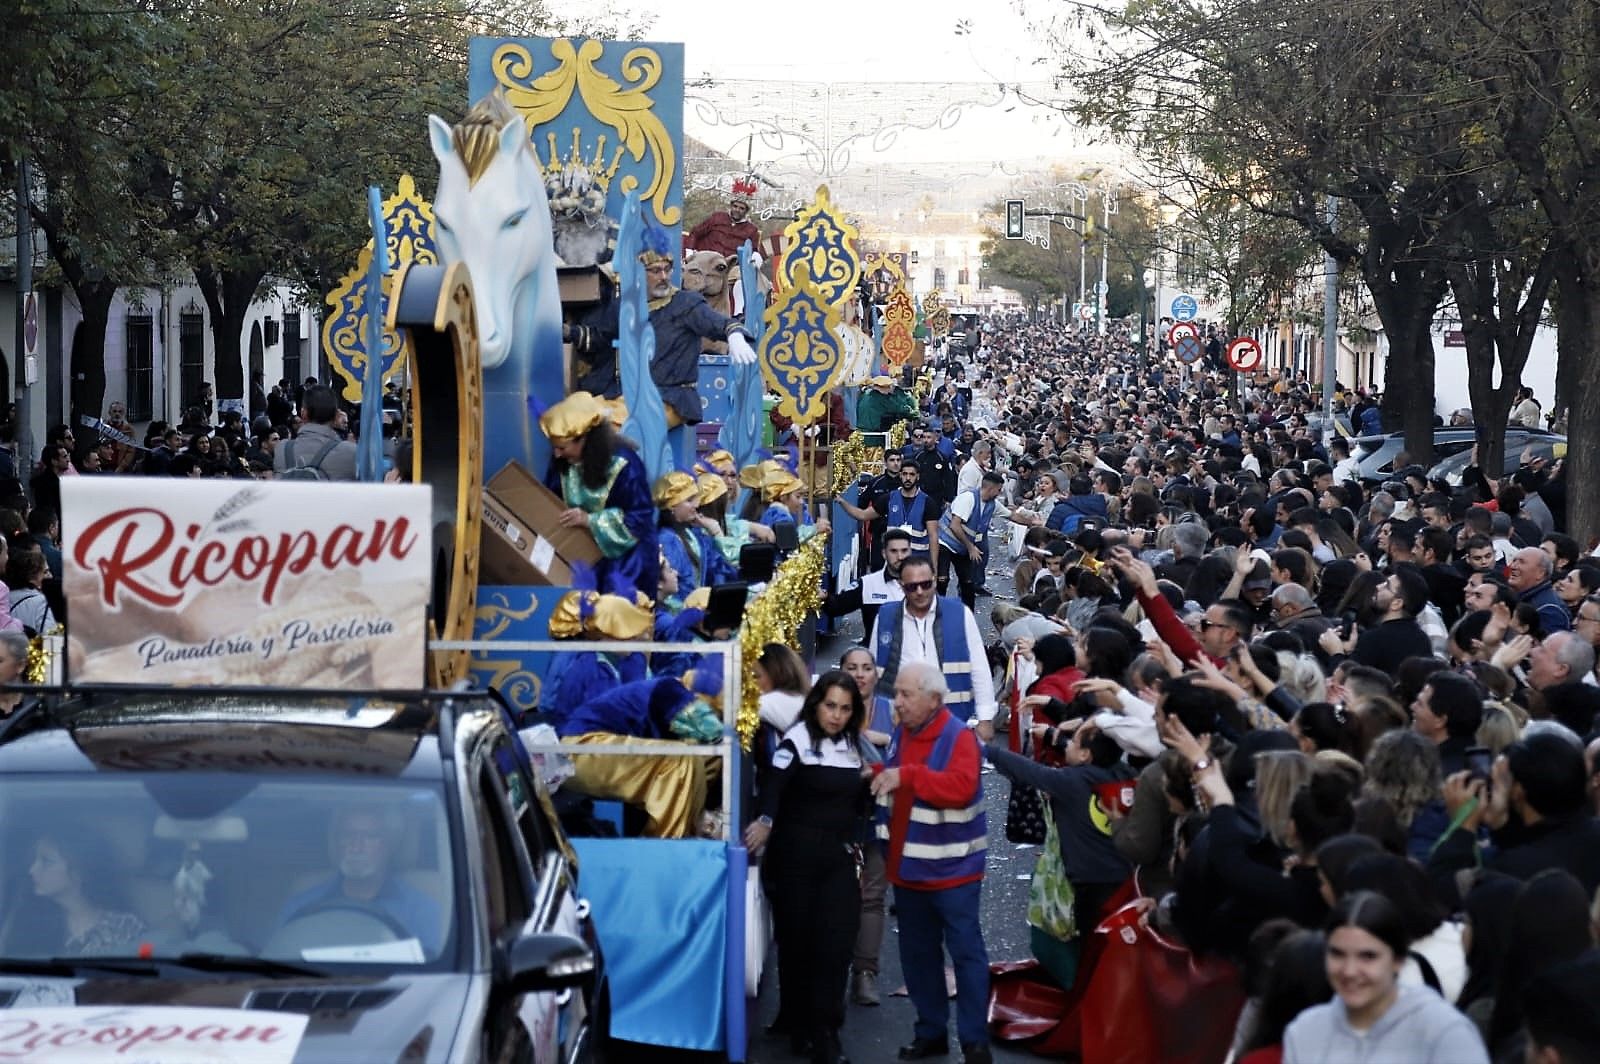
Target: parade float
pixel 563 176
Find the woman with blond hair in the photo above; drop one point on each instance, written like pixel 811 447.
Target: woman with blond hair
pixel 1403 770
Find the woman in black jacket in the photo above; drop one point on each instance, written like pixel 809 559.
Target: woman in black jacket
pixel 813 803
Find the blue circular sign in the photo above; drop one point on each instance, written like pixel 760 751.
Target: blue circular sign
pixel 1188 348
pixel 1185 308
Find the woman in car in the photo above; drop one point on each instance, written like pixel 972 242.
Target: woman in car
pixel 812 809
pixel 67 870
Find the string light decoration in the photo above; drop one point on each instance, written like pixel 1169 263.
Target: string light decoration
pixel 775 616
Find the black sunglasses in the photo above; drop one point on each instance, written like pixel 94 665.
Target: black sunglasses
pixel 917 585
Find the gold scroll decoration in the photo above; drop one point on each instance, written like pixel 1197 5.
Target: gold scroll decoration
pixel 800 349
pixel 899 322
pixel 825 243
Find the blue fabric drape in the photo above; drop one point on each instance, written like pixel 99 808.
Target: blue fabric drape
pixel 661 907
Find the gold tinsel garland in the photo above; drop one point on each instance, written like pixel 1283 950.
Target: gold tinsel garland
pixel 848 459
pixel 775 616
pixel 897 435
pixel 37 670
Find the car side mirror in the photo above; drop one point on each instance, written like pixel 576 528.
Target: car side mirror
pixel 539 961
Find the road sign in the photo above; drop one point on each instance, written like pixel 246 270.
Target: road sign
pixel 1101 288
pixel 1180 330
pixel 1014 219
pixel 1244 354
pixel 1185 308
pixel 1188 348
pixel 30 324
pixel 1086 311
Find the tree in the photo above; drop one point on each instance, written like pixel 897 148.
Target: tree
pixel 1329 116
pixel 316 100
pixel 1541 63
pixel 79 96
pixel 1247 260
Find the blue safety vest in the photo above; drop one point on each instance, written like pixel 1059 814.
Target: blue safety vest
pixel 910 516
pixel 977 524
pixel 949 641
pixel 940 844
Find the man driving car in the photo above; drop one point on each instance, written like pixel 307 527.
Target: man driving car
pixel 364 841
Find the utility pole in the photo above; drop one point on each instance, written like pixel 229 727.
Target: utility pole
pixel 1330 330
pixel 1108 207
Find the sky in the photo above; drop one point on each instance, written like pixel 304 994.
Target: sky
pixel 855 41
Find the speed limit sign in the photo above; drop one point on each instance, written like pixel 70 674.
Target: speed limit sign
pixel 1244 354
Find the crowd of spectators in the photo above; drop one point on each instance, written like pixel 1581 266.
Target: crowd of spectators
pixel 1358 717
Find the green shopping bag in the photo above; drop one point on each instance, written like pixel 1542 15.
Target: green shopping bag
pixel 1050 896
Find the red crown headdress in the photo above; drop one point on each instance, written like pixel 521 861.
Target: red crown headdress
pixel 745 187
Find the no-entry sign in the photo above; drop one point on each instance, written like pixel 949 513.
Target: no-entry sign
pixel 1244 354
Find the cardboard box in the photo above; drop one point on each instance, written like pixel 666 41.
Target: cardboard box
pixel 580 287
pixel 523 539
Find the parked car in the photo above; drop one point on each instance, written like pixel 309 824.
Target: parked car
pixel 1543 445
pixel 375 878
pixel 1376 454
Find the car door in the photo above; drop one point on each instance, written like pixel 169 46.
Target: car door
pixel 520 1028
pixel 554 1019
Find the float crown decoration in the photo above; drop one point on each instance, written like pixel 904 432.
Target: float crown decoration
pixel 899 323
pixel 573 170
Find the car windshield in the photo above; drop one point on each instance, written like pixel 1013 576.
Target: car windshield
pixel 319 871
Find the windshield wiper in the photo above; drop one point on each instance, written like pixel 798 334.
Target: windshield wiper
pixel 67 967
pixel 230 962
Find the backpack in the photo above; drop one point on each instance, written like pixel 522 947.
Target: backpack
pixel 310 471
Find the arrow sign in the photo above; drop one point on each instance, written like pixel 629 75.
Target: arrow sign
pixel 1185 308
pixel 1188 348
pixel 1244 354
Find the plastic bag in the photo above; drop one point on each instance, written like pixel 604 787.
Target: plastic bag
pixel 553 768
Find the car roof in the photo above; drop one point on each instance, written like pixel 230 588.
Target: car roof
pixel 258 732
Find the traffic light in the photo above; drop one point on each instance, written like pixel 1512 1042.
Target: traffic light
pixel 1088 230
pixel 1014 219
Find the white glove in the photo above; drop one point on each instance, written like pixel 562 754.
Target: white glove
pixel 813 432
pixel 740 350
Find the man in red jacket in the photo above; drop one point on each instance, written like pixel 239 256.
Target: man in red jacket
pixel 930 815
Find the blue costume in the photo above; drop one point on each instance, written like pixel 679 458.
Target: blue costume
pixel 622 517
pixel 650 709
pixel 695 557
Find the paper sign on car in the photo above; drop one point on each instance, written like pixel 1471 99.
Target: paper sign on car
pixel 149 1033
pixel 245 583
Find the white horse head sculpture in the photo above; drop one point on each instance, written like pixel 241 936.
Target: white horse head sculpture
pixel 491 212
